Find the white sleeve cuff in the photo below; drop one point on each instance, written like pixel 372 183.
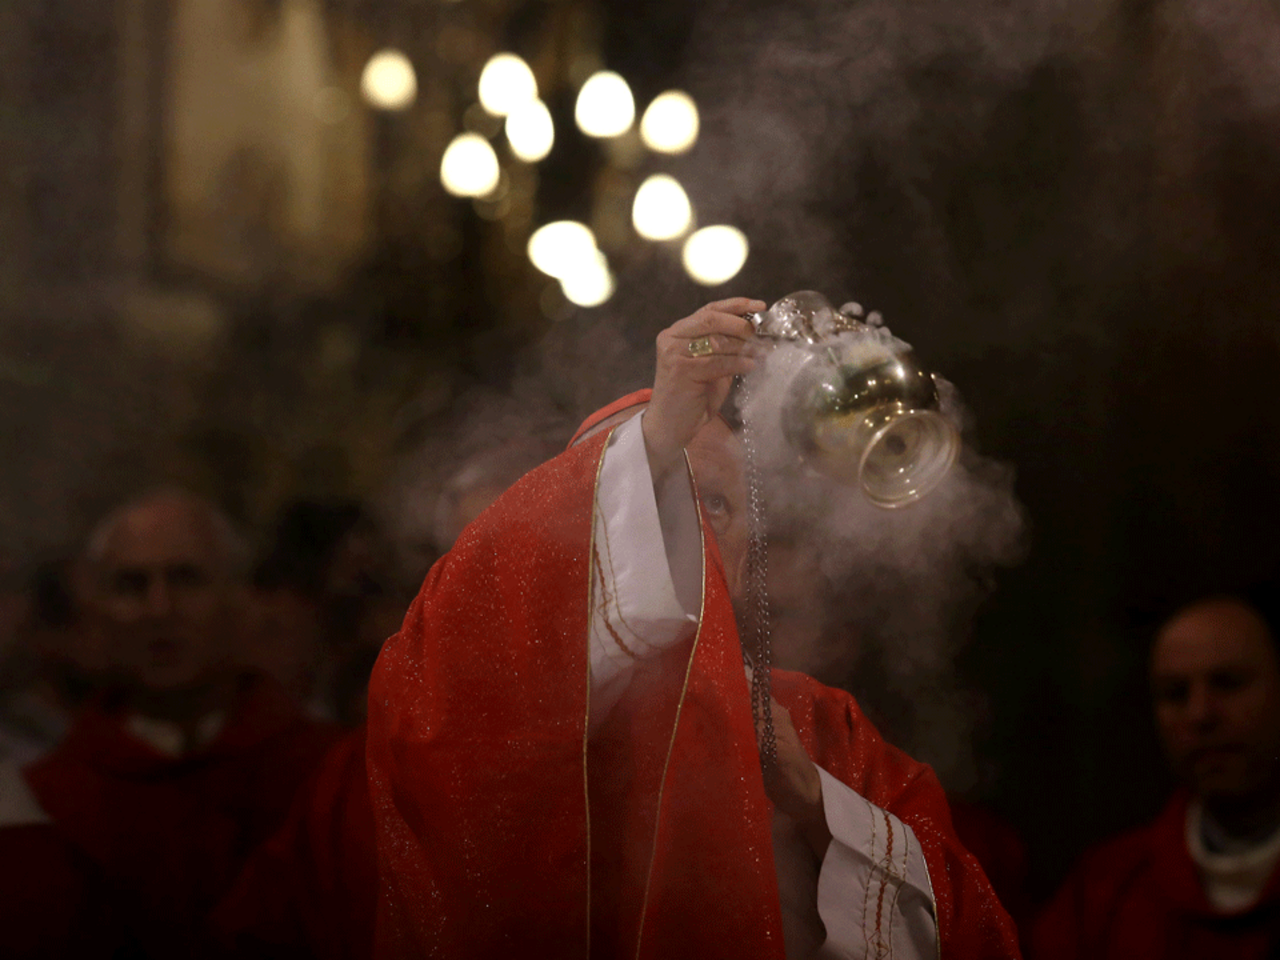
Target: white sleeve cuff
pixel 637 608
pixel 874 893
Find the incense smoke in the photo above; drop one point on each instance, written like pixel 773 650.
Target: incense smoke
pixel 896 586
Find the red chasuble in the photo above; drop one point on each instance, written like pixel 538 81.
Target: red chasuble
pixel 1138 895
pixel 503 831
pixel 167 836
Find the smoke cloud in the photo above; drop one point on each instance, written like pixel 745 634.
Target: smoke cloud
pixel 898 586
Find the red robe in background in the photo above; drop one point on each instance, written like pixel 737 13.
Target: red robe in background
pixel 1000 849
pixel 311 890
pixel 167 836
pixel 53 903
pixel 503 831
pixel 1139 896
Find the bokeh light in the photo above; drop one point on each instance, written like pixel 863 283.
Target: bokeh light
pixel 661 210
pixel 670 124
pixel 530 131
pixel 389 81
pixel 714 255
pixel 469 167
pixel 605 106
pixel 506 83
pixel 559 248
pixel 589 282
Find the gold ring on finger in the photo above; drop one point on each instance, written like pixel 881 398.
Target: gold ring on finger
pixel 700 347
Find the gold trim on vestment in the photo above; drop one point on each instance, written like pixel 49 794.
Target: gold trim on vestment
pixel 586 722
pixel 684 689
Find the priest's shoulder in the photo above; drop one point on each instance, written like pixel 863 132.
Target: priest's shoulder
pixel 555 491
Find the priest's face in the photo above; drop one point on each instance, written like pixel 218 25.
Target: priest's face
pixel 1216 683
pixel 716 456
pixel 163 595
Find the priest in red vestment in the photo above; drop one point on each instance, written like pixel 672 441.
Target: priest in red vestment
pixel 562 754
pixel 165 783
pixel 1202 881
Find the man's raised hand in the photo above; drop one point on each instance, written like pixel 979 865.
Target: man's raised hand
pixel 698 357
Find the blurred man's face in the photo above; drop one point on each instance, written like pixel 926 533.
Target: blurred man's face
pixel 1216 684
pixel 163 596
pixel 716 457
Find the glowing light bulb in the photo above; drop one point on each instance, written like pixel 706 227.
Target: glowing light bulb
pixel 388 81
pixel 605 107
pixel 670 124
pixel 469 167
pixel 713 255
pixel 506 82
pixel 530 131
pixel 558 248
pixel 588 283
pixel 661 210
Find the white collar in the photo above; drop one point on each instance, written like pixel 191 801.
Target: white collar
pixel 1232 881
pixel 166 737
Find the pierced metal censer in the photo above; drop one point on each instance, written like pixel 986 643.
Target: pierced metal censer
pixel 861 410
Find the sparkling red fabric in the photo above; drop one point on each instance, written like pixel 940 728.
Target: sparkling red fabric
pixel 501 832
pixel 1000 849
pixel 1138 895
pixel 168 836
pixel 971 920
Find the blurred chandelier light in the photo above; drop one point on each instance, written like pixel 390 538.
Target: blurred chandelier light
pixel 661 210
pixel 530 131
pixel 560 248
pixel 469 167
pixel 588 282
pixel 605 107
pixel 714 255
pixel 670 124
pixel 388 81
pixel 506 83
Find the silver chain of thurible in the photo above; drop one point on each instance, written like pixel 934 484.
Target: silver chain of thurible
pixel 758 647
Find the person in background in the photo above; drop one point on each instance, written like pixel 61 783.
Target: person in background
pixel 48 667
pixel 1201 881
pixel 323 603
pixel 53 663
pixel 170 777
pixel 310 891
